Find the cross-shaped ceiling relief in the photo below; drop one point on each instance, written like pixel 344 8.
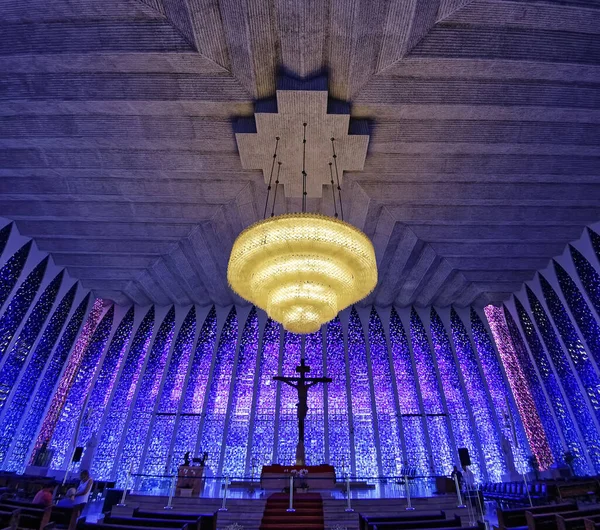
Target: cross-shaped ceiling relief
pixel 284 130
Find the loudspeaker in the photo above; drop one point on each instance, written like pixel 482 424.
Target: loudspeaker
pixel 463 455
pixel 77 454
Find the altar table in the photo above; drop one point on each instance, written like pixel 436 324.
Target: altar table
pixel 277 477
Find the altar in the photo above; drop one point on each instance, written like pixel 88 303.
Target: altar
pixel 277 477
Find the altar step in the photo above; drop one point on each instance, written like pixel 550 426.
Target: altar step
pixel 308 514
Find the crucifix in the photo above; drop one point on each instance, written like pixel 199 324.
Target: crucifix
pixel 302 384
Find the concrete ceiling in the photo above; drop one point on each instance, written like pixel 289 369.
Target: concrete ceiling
pixel 118 155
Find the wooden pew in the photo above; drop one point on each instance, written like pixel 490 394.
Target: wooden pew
pixel 147 522
pixel 590 524
pixel 576 523
pixel 37 518
pixel 198 521
pixel 548 521
pixel 63 518
pixel 366 520
pixel 416 525
pixel 515 518
pixel 578 489
pixel 9 520
pixel 102 526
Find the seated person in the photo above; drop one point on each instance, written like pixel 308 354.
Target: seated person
pixel 44 496
pixel 83 490
pixel 68 501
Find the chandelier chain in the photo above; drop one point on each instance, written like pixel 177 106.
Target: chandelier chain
pixel 333 190
pixel 276 187
pixel 337 176
pixel 271 177
pixel 304 170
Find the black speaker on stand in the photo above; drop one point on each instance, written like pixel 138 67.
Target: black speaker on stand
pixel 463 455
pixel 77 454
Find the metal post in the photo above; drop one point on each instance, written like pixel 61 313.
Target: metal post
pixel 410 506
pixel 172 485
pixel 349 507
pixel 291 508
pixel 127 479
pixel 223 507
pixel 460 499
pixel 527 489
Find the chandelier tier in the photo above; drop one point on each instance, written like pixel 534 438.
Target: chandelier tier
pixel 302 268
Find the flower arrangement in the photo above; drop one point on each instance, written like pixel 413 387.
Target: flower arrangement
pixel 299 473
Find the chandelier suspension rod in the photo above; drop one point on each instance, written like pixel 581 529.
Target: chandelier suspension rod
pixel 333 190
pixel 337 176
pixel 304 171
pixel 276 186
pixel 271 176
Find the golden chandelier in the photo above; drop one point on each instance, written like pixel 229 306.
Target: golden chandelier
pixel 302 268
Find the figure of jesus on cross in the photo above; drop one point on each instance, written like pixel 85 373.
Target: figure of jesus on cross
pixel 302 384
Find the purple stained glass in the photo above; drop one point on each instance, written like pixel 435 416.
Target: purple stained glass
pixel 19 305
pixel 456 401
pixel 387 421
pixel 18 354
pixel 595 239
pixel 64 432
pixel 194 395
pixel 499 391
pixel 263 435
pixel 315 421
pixel 288 422
pixel 33 371
pixel 431 397
pixel 337 399
pixel 577 402
pixel 4 235
pixel 535 387
pixel 67 378
pixel 118 409
pixel 412 425
pixel 10 272
pixel 590 279
pixel 100 393
pixel 360 396
pixel 574 347
pixel 158 458
pixel 238 431
pixel 141 412
pixel 482 411
pixel 218 396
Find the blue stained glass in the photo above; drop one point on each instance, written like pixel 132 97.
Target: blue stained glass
pixel 33 372
pixel 412 426
pixel 236 446
pixel 571 386
pixel 194 396
pixel 114 426
pixel 218 396
pixel 141 412
pixel 158 458
pixel 458 406
pixel 595 238
pixel 580 310
pixel 4 235
pixel 103 386
pixel 62 437
pixel 575 349
pixel 387 421
pixel 288 423
pixel 19 305
pixel 10 272
pixel 482 411
pixel 337 399
pixel 17 357
pixel 360 395
pixel 500 392
pixel 263 437
pixel 431 396
pixel 35 413
pixel 541 403
pixel 315 420
pixel 590 279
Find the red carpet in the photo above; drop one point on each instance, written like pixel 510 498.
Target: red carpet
pixel 308 514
